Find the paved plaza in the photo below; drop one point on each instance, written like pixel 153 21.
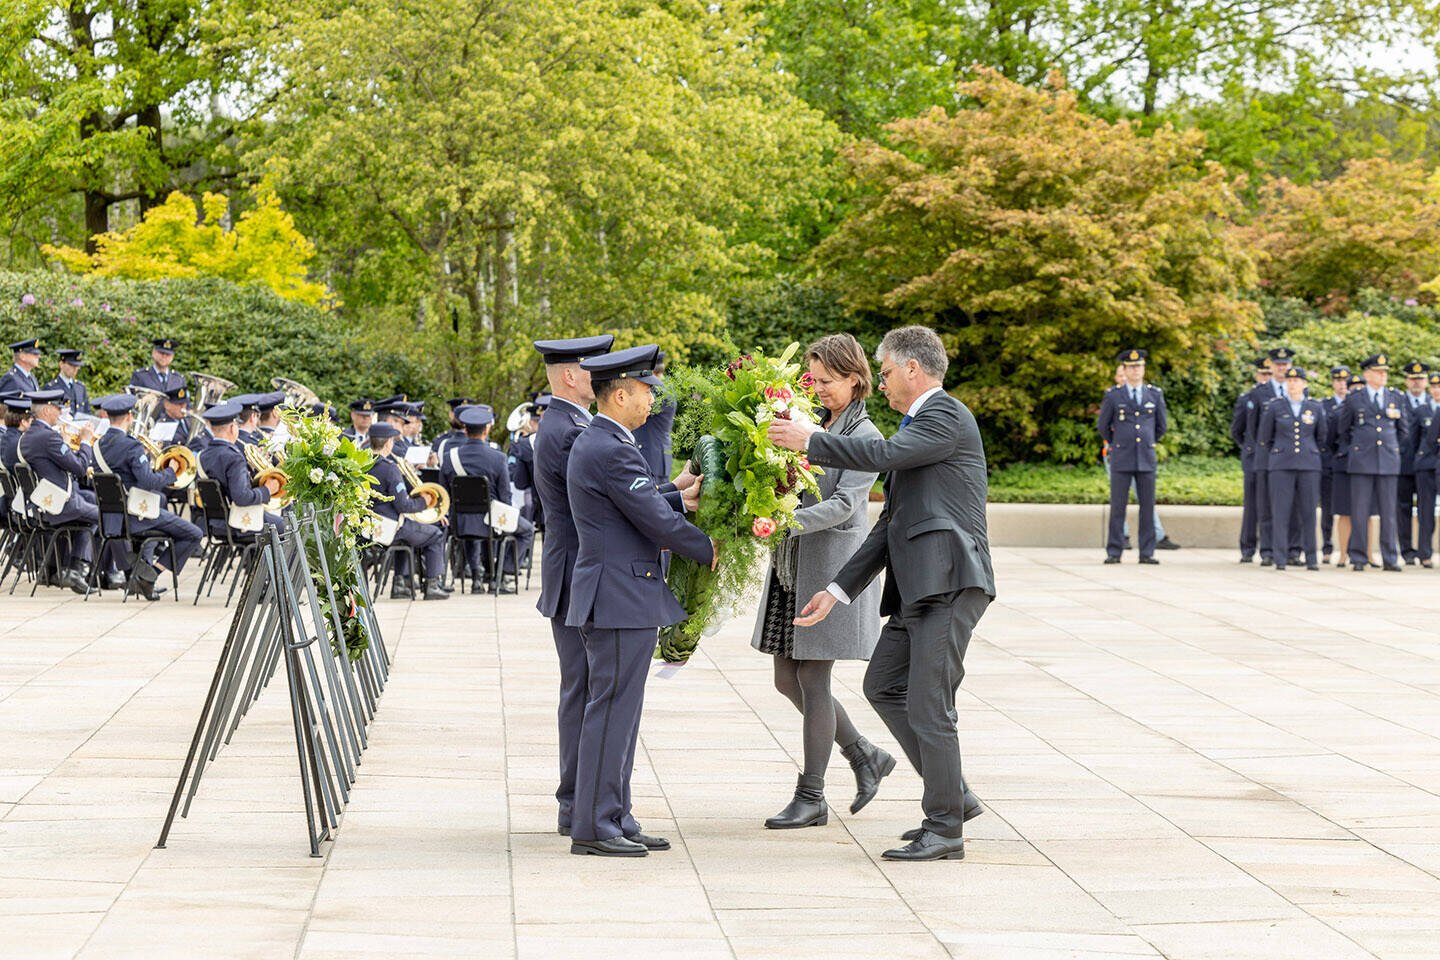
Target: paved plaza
pixel 1197 760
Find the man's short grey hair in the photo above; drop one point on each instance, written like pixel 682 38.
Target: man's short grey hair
pixel 917 343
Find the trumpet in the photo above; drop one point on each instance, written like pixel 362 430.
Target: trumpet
pixel 178 458
pixel 72 429
pixel 263 469
pixel 440 497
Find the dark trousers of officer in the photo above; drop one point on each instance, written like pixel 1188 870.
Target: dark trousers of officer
pixel 1373 491
pixel 524 535
pixel 1291 492
pixel 618 661
pixel 1120 481
pixel 76 547
pixel 1425 507
pixel 1248 515
pixel 429 539
pixel 574 692
pixel 1405 490
pixel 914 672
pixel 1327 510
pixel 183 534
pixel 1267 520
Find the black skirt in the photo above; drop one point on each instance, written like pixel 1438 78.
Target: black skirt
pixel 777 632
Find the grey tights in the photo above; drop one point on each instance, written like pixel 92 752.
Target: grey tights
pixel 806 683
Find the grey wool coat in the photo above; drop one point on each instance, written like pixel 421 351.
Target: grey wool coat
pixel 831 529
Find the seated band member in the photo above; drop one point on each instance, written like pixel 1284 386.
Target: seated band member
pixel 475 457
pixel 121 454
pixel 46 453
pixel 158 375
pixel 224 462
pixel 394 411
pixel 247 423
pixel 77 396
pixel 187 433
pixel 427 538
pixel 455 433
pixel 267 405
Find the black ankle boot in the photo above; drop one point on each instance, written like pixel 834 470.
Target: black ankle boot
pixel 871 765
pixel 433 590
pixel 808 809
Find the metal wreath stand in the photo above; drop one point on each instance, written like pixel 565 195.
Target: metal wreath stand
pixel 332 699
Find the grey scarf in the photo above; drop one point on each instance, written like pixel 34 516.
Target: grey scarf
pixel 787 554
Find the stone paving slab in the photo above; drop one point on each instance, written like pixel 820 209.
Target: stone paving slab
pixel 1196 760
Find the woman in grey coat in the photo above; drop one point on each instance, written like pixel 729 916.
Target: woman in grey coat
pixel 831 529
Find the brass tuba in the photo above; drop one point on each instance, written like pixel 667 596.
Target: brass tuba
pixel 441 496
pixel 209 389
pixel 148 405
pixel 262 468
pixel 181 459
pixel 296 393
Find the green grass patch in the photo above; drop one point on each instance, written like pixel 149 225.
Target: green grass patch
pixel 1190 479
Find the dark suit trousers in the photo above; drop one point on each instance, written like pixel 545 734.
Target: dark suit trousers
pixel 1248 515
pixel 914 672
pixel 1266 519
pixel 1425 525
pixel 619 661
pixel 1120 481
pixel 1327 508
pixel 1369 490
pixel 1405 490
pixel 1293 491
pixel 574 691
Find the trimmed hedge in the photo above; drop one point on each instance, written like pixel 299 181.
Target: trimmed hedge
pixel 1193 480
pixel 246 334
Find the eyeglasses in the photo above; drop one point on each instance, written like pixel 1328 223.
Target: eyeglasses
pixel 883 374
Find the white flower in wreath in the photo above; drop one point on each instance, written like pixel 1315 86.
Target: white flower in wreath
pixel 330 449
pixel 334 480
pixel 316 474
pixel 779 406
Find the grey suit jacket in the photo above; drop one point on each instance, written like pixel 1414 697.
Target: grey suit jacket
pixel 931 538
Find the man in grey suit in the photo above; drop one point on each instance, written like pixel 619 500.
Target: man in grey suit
pixel 931 542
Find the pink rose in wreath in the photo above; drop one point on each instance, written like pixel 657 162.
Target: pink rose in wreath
pixel 762 527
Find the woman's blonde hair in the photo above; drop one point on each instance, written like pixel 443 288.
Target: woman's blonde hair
pixel 842 354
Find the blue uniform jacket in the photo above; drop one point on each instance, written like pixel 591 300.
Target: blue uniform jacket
pixel 224 463
pixel 18 381
pixel 521 462
pixel 390 482
pixel 1239 417
pixel 45 451
pixel 1291 442
pixel 1414 412
pixel 1426 444
pixel 1132 429
pixel 653 439
pixel 623 521
pixel 1328 459
pixel 1256 402
pixel 477 459
pixel 1372 437
pixel 556 435
pixel 77 398
pixel 153 379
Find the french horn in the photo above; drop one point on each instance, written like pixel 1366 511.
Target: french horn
pixel 440 507
pixel 176 457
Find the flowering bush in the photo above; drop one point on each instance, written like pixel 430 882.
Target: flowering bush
pixel 752 487
pixel 328 472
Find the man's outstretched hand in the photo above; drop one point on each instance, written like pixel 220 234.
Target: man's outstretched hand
pixel 817 609
pixel 793 434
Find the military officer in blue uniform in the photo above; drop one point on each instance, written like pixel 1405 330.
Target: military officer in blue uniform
pixel 1374 427
pixel 188 433
pixel 121 454
pixel 77 397
pixel 393 410
pixel 1294 432
pixel 653 437
pixel 267 408
pixel 1416 401
pixel 20 378
pixel 427 538
pixel 224 462
pixel 159 376
pixel 1132 419
pixel 17 421
pixel 1425 430
pixel 1339 386
pixel 1239 419
pixel 362 415
pixel 47 454
pixel 568 414
pixel 456 431
pixel 618 596
pixel 475 457
pixel 1280 360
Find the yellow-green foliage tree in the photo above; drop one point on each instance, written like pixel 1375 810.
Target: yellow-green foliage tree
pixel 263 248
pixel 1038 241
pixel 1376 225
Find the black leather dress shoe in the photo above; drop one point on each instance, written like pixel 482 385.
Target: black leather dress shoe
pixel 972 810
pixel 1167 544
pixel 1409 561
pixel 1247 559
pixel 613 847
pixel 1150 560
pixel 649 842
pixel 563 831
pixel 1267 562
pixel 1357 567
pixel 1426 564
pixel 1312 566
pixel 1112 559
pixel 1279 566
pixel 929 846
pixel 1394 568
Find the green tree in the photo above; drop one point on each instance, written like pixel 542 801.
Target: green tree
pixel 1039 241
pixel 488 174
pixel 1376 225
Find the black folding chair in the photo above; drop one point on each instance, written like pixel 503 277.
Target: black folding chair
pixel 47 532
pixel 224 551
pixel 110 498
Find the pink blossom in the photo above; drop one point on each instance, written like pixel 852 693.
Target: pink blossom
pixel 77 302
pixel 786 393
pixel 28 300
pixel 807 380
pixel 805 463
pixel 762 527
pixel 105 307
pixel 339 520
